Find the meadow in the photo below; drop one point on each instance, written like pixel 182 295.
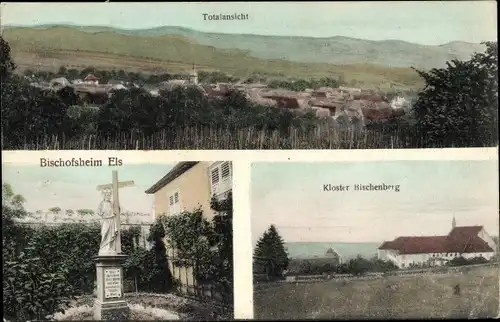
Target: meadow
pixel 394 297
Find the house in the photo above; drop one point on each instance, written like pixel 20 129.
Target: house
pixel 59 82
pixel 344 89
pixel 91 79
pixel 334 256
pixel 187 186
pixel 464 241
pixel 115 82
pixel 399 102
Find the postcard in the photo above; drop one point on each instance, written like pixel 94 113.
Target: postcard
pixel 249 76
pixel 383 240
pixel 135 241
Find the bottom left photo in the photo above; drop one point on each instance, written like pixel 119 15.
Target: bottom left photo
pixel 97 240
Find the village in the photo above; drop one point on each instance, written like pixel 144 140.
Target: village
pixel 354 104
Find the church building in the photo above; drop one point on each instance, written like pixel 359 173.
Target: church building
pixel 461 241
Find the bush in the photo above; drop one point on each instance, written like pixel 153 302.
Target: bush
pixel 355 266
pixel 205 246
pixel 32 291
pixel 461 261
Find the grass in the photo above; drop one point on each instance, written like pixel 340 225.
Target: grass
pixel 63 46
pixel 186 309
pixel 423 296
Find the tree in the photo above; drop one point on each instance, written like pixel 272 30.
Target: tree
pixel 222 238
pixel 55 210
pixel 459 104
pixel 158 276
pixel 270 254
pixel 7 65
pixel 359 266
pixel 12 208
pixel 83 212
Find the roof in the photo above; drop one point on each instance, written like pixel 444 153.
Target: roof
pixel 176 171
pixel 466 240
pixel 459 240
pixel 91 77
pixel 417 245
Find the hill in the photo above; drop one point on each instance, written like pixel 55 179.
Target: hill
pixel 332 50
pixel 51 47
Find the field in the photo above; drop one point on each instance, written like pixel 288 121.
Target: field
pixel 50 48
pixel 424 296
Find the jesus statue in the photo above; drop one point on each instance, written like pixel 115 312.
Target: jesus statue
pixel 109 230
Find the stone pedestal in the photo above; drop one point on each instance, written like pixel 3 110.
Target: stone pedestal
pixel 110 303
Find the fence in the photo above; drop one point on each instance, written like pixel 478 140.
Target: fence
pixel 189 286
pixel 258 279
pixel 322 137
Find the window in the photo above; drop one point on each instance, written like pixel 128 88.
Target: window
pixel 174 203
pixel 221 178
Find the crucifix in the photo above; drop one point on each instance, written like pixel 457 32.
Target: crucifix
pixel 114 186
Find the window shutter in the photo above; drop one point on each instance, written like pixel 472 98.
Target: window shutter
pixel 177 203
pixel 225 171
pixel 215 179
pixel 171 209
pixel 221 179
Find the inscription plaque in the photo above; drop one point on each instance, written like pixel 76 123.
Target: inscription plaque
pixel 112 283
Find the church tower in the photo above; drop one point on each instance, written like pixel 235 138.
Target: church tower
pixel 194 77
pixel 453 222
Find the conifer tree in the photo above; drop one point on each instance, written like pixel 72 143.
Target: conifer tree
pixel 270 255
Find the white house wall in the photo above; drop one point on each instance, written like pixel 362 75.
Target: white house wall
pixel 385 255
pixel 487 256
pixel 408 259
pixel 404 261
pixel 487 238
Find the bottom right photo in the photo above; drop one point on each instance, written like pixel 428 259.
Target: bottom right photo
pixel 375 240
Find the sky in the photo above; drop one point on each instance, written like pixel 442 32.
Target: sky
pixel 428 23
pixel 290 196
pixel 75 188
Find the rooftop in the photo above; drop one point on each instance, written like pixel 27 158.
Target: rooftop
pixel 459 240
pixel 176 171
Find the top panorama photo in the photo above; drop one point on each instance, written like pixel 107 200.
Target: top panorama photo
pixel 275 75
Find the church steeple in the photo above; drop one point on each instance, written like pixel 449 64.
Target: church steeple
pixel 453 222
pixel 194 77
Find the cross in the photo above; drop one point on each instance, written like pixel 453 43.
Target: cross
pixel 115 185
